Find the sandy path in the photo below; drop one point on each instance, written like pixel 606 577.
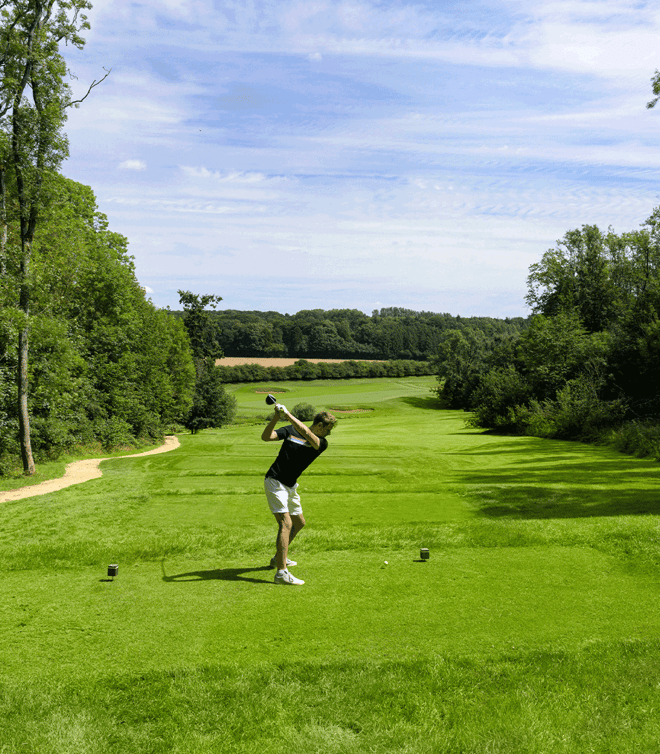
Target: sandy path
pixel 78 472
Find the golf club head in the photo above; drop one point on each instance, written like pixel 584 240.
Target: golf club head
pixel 270 399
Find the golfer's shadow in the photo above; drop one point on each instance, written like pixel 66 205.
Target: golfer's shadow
pixel 219 574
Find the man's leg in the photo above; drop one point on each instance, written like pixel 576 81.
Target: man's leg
pixel 284 536
pixel 297 523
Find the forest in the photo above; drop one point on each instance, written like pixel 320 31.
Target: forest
pixel 106 366
pixel 588 365
pixel 390 333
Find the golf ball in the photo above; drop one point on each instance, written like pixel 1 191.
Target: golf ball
pixel 385 562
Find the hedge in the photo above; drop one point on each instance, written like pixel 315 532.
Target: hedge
pixel 308 370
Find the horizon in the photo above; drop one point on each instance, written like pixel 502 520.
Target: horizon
pixel 407 312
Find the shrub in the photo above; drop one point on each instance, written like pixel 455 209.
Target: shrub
pixel 305 412
pixel 577 414
pixel 113 433
pixel 500 392
pixel 637 438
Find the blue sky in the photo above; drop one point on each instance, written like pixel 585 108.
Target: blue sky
pixel 350 154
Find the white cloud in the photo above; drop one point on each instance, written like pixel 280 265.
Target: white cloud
pixel 133 165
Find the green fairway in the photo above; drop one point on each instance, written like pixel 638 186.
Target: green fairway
pixel 533 627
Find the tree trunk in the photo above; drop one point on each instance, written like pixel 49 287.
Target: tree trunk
pixel 23 352
pixel 3 223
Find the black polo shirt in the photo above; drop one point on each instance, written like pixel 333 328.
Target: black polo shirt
pixel 294 457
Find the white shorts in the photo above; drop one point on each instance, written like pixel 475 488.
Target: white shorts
pixel 282 499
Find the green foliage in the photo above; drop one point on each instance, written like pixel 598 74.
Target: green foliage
pixel 578 276
pixel 464 356
pixel 304 411
pixel 498 397
pixel 638 438
pixel 34 97
pixel 576 413
pixel 590 358
pixel 461 358
pixel 556 349
pixel 106 366
pixel 212 406
pixel 391 334
pixel 202 329
pixel 655 86
pixel 113 432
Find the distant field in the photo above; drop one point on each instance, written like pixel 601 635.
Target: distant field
pixel 237 361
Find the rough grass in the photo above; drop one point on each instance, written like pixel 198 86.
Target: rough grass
pixel 532 628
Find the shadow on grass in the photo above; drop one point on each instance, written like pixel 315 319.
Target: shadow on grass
pixel 218 574
pixel 525 446
pixel 561 480
pixel 536 502
pixel 416 401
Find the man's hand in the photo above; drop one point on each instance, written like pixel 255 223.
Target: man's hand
pixel 281 409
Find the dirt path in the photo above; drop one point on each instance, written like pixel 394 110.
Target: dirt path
pixel 78 472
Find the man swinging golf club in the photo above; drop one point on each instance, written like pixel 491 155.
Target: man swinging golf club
pixel 301 445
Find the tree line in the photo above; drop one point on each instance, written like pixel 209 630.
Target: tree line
pixel 308 370
pixel 349 334
pixel 588 364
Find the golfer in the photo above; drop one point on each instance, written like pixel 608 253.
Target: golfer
pixel 301 445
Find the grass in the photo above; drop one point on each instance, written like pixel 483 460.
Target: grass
pixel 533 627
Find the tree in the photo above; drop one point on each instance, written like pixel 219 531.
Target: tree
pixel 304 411
pixel 212 405
pixel 554 350
pixel 33 102
pixel 460 360
pixel 202 328
pixel 578 276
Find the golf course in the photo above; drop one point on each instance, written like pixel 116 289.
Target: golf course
pixel 534 626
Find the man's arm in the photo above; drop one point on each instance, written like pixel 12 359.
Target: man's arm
pixel 303 429
pixel 269 434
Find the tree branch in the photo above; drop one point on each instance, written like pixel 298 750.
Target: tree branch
pixel 94 84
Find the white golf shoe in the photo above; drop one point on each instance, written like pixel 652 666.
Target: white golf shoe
pixel 287 578
pixel 289 563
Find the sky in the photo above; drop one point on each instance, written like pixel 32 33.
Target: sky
pixel 326 154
